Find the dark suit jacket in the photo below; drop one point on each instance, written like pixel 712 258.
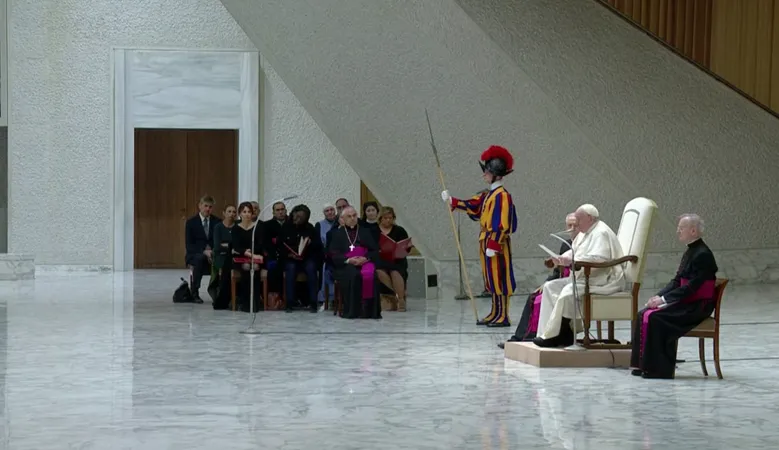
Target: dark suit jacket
pixel 272 235
pixel 195 239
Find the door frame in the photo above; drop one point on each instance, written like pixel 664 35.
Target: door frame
pixel 124 144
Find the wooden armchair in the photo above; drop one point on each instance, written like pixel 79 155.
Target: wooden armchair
pixel 633 235
pixel 709 328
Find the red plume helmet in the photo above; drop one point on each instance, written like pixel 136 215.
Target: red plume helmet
pixel 497 160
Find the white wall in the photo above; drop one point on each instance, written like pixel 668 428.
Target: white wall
pixel 298 157
pixel 3 189
pixel 61 161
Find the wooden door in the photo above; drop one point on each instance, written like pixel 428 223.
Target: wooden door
pixel 173 169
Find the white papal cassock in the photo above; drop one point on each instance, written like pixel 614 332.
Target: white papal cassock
pixel 598 244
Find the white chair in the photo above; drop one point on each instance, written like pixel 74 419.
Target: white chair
pixel 633 234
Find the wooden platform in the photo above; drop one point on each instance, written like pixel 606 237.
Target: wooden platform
pixel 529 353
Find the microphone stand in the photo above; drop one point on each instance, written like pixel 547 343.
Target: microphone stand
pixel 251 329
pixel 462 295
pixel 575 346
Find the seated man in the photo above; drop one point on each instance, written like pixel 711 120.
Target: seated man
pixel 596 242
pixel 301 251
pixel 198 237
pixel 528 324
pixel 354 255
pixel 679 307
pixel 322 229
pixel 272 232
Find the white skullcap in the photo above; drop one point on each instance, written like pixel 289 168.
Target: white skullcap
pixel 590 210
pixel 328 205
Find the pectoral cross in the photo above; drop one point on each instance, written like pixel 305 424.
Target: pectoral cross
pixel 351 248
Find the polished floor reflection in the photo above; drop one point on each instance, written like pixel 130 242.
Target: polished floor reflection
pixel 107 361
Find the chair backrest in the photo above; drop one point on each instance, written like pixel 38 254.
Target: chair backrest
pixel 719 290
pixel 633 234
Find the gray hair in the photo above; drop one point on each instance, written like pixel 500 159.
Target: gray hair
pixel 569 216
pixel 695 221
pixel 590 210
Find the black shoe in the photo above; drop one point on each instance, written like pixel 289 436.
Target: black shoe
pixel 502 345
pixel 196 299
pixel 482 322
pixel 313 309
pixel 636 372
pixel 548 343
pixel 499 324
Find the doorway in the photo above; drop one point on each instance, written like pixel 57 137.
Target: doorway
pixel 173 170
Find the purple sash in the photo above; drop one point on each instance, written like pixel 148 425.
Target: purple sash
pixel 705 292
pixel 367 271
pixel 532 326
pixel 566 272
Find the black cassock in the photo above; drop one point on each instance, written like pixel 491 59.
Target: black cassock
pixel 350 278
pixel 690 299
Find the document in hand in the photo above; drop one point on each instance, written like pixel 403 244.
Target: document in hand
pixel 551 253
pixel 389 249
pixel 301 247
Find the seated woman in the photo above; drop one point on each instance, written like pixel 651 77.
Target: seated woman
pixel 219 287
pixel 393 272
pixel 301 250
pixel 243 254
pixel 354 254
pixel 370 218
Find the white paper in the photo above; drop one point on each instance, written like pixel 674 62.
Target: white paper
pixel 551 253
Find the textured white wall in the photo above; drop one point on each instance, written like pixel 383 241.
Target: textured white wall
pixel 298 157
pixel 3 189
pixel 60 127
pixel 593 110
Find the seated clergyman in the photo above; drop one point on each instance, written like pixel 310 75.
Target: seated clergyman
pixel 528 324
pixel 683 304
pixel 596 242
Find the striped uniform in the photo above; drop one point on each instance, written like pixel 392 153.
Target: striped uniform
pixel 498 219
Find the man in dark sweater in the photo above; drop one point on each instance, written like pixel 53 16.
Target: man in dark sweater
pixel 272 232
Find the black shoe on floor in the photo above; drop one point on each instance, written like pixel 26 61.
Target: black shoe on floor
pixel 196 299
pixel 502 345
pixel 636 372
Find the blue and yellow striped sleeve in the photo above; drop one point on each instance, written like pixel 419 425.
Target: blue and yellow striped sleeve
pixel 472 206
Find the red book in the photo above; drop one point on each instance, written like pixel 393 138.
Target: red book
pixel 391 250
pixel 302 245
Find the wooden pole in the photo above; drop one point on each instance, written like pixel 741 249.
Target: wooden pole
pixel 451 218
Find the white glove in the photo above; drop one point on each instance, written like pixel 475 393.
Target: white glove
pixel 446 197
pixel 490 253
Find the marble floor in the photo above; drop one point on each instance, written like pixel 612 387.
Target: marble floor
pixel 107 361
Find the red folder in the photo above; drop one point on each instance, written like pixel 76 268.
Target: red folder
pixel 391 250
pixel 302 246
pixel 245 260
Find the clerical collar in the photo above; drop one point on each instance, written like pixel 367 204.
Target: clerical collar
pixel 351 228
pixel 694 243
pixel 496 185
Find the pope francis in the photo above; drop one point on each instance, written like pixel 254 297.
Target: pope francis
pixel 596 242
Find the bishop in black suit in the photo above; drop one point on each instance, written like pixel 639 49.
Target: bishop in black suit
pixel 354 253
pixel 686 301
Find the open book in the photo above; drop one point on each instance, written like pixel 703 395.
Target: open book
pixel 301 247
pixel 389 249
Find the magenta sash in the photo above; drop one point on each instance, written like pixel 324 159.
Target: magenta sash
pixel 532 326
pixel 367 271
pixel 566 272
pixel 705 292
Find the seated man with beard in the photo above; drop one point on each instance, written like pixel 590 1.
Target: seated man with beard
pixel 596 242
pixel 528 324
pixel 354 254
pixel 300 251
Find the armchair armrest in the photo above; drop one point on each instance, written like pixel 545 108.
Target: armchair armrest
pixel 605 264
